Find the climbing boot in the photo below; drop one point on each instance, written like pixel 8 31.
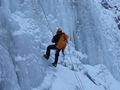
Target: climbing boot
pixel 54 64
pixel 46 57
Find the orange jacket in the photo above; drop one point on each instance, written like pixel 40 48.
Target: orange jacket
pixel 62 41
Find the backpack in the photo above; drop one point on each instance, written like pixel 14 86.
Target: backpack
pixel 62 41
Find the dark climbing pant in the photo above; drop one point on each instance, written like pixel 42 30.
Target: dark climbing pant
pixel 56 54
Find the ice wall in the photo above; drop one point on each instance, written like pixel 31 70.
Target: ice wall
pixel 24 33
pixel 23 24
pixel 92 29
pixel 20 68
pixel 97 35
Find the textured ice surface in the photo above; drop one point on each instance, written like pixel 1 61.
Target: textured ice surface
pixel 24 36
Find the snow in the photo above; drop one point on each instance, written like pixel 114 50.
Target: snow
pixel 63 78
pixel 25 34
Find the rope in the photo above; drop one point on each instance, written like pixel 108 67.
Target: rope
pixel 46 18
pixel 49 26
pixel 76 76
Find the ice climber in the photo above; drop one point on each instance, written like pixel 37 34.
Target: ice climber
pixel 60 40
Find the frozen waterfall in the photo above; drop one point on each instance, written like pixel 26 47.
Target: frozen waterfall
pixel 24 35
